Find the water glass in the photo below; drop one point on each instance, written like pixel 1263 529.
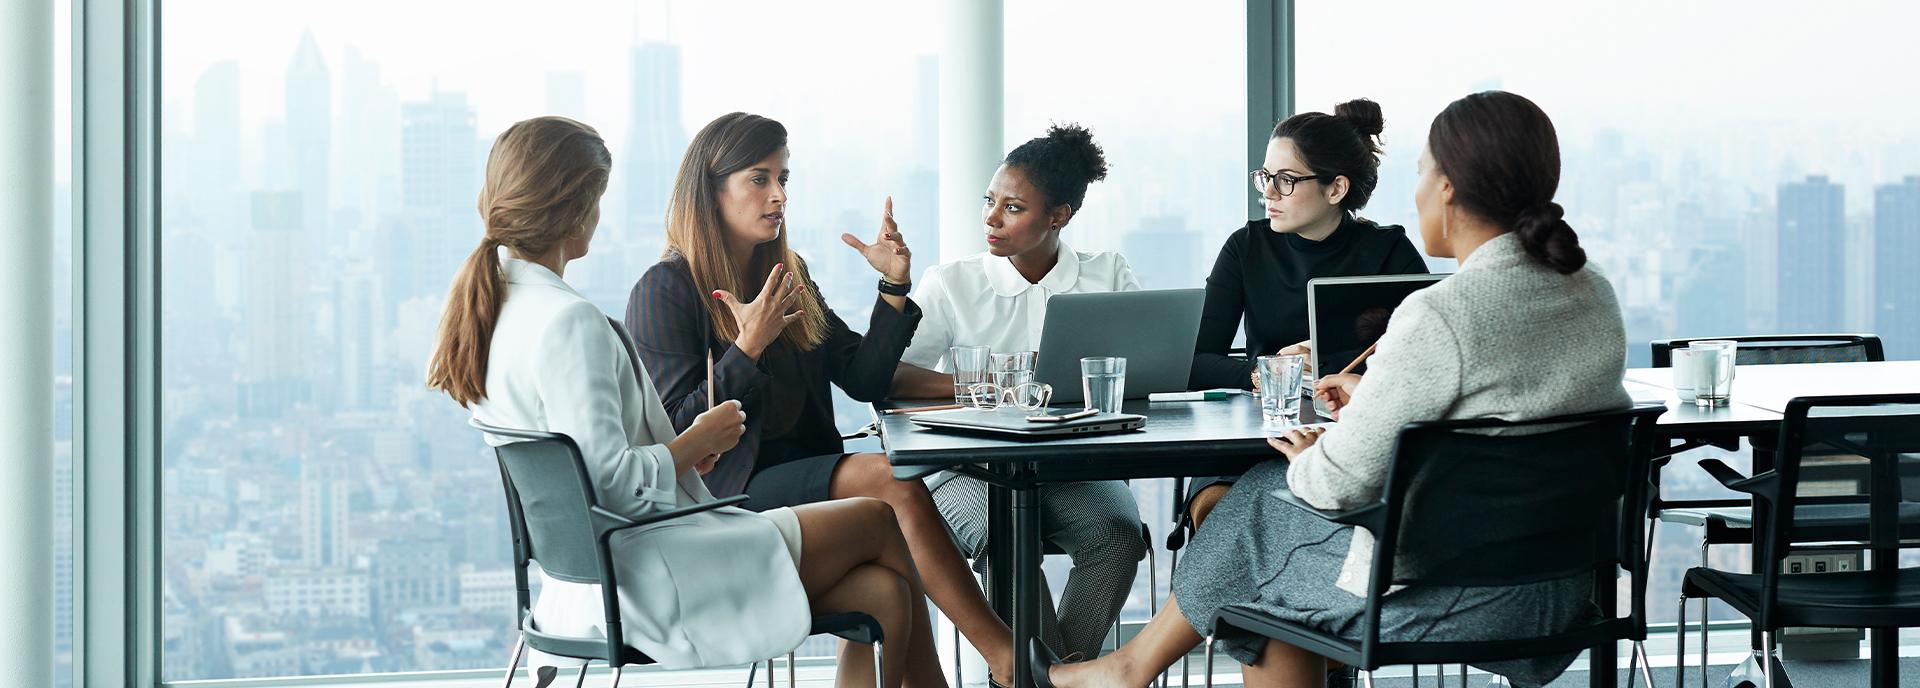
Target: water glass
pixel 969 371
pixel 1713 371
pixel 1009 378
pixel 1280 378
pixel 1103 382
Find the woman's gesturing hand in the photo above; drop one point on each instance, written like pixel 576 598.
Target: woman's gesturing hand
pixel 888 254
pixel 762 319
pixel 712 434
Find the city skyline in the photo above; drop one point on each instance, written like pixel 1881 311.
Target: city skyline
pixel 294 340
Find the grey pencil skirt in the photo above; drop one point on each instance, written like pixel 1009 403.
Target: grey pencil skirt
pixel 1260 552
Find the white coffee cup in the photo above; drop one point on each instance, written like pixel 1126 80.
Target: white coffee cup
pixel 1690 367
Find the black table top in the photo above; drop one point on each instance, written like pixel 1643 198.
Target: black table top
pixel 1195 438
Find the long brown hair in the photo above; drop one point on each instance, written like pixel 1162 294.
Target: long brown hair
pixel 543 186
pixel 696 233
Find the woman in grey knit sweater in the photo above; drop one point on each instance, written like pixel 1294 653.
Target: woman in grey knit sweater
pixel 1526 329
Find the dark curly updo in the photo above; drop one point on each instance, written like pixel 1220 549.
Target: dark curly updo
pixel 1061 164
pixel 1502 155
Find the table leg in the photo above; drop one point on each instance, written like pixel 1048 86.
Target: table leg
pixel 1000 551
pixel 1883 645
pixel 1026 582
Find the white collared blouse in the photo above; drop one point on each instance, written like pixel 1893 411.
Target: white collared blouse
pixel 983 300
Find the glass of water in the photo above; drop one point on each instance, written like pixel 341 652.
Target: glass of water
pixel 1009 372
pixel 1103 381
pixel 969 372
pixel 1280 378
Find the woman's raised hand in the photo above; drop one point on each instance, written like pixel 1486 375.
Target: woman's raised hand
pixel 766 316
pixel 888 254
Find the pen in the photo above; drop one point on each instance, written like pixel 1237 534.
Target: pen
pixel 1212 395
pixel 919 409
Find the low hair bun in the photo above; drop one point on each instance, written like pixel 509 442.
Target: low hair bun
pixel 1546 236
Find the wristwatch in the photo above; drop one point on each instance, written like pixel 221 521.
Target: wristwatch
pixel 893 289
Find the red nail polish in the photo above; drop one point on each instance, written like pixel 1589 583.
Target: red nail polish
pixel 716 295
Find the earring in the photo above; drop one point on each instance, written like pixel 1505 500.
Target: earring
pixel 1446 226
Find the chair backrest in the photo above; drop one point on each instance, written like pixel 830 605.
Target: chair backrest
pixel 1784 348
pixel 550 506
pixel 1471 509
pixel 1874 433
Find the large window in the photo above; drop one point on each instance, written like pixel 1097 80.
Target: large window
pixel 1164 91
pixel 63 483
pixel 323 512
pixel 1726 179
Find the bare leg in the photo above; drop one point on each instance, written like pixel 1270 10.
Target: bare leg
pixel 841 535
pixel 877 591
pixel 944 572
pixel 1165 639
pixel 1204 501
pixel 1288 666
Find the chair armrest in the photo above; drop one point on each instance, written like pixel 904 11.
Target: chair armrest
pixel 1368 516
pixel 1732 480
pixel 606 521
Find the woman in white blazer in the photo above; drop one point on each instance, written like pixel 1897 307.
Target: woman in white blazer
pixel 522 349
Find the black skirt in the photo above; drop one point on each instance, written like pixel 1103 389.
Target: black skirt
pixel 805 480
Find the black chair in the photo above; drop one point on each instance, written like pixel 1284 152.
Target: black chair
pixel 1581 482
pixel 557 520
pixel 1876 428
pixel 1730 521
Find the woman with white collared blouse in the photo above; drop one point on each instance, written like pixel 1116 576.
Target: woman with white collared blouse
pixel 998 299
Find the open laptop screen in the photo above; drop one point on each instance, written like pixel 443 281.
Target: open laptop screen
pixel 1348 314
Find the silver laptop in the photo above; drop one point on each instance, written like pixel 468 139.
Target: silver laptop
pixel 1345 315
pixel 1154 330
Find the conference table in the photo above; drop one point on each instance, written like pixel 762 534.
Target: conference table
pixel 1207 438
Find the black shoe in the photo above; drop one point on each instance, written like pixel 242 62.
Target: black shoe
pixel 1041 661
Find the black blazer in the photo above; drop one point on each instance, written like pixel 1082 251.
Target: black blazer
pixel 785 395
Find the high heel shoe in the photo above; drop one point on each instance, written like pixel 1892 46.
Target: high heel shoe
pixel 1041 661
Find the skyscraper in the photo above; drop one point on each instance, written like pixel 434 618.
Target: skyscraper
pixel 439 183
pixel 369 143
pixel 323 514
pixel 1812 287
pixel 309 100
pixel 275 373
pixel 655 137
pixel 1896 242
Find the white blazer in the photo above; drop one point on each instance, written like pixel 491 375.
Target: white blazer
pixel 714 588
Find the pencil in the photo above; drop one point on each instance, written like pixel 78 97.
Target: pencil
pixel 919 409
pixel 1362 357
pixel 709 357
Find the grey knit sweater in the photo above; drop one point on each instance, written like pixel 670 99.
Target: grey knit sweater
pixel 1505 337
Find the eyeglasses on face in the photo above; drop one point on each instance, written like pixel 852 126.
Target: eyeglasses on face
pixel 1282 183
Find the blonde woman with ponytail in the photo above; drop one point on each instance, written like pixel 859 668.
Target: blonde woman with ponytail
pixel 521 349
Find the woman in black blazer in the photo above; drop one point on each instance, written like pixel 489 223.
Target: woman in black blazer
pixel 731 295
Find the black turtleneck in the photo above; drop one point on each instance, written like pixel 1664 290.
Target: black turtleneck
pixel 1263 275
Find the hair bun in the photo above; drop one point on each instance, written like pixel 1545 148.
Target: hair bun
pixel 1363 114
pixel 1083 157
pixel 1546 236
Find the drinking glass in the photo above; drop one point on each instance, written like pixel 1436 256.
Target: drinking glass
pixel 1713 384
pixel 1280 387
pixel 1103 382
pixel 969 371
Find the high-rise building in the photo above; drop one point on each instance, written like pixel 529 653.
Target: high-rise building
pixel 655 137
pixel 309 100
pixel 1896 291
pixel 324 514
pixel 368 143
pixel 439 183
pixel 1812 284
pixel 274 375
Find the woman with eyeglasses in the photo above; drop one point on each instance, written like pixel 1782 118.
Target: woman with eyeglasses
pixel 1320 170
